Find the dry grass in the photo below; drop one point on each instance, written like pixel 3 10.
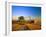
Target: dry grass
pixel 27 25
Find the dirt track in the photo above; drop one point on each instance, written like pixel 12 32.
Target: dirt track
pixel 26 26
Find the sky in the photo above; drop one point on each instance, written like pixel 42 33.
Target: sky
pixel 26 11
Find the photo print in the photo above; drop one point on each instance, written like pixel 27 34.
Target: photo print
pixel 26 18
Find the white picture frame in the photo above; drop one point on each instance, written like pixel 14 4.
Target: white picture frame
pixel 8 29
